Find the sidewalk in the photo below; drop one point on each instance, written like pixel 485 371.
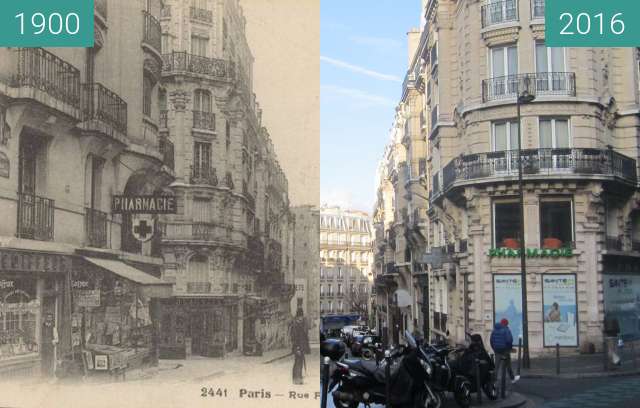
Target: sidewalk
pixel 513 400
pixel 583 365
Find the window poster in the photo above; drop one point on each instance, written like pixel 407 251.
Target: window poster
pixel 560 310
pixel 507 302
pixel 622 302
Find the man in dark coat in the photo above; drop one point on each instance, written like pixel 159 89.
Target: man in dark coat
pixel 502 343
pixel 300 333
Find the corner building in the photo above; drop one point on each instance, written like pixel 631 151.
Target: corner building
pixel 228 249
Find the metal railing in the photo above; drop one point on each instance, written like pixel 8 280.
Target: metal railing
pixel 167 150
pixel 204 175
pixel 204 120
pixel 100 103
pixel 547 161
pixel 40 69
pixel 199 14
pixel 101 7
pixel 35 217
pixel 635 245
pixel 537 8
pixel 614 243
pixel 198 287
pixel 95 223
pixel 498 12
pixel 543 83
pixel 182 62
pixel 152 34
pixel 195 231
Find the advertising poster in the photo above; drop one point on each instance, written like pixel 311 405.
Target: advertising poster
pixel 560 310
pixel 507 301
pixel 622 302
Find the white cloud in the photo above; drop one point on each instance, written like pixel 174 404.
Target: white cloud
pixel 359 69
pixel 361 96
pixel 377 42
pixel 345 199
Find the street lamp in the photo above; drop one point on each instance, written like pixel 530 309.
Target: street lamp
pixel 526 94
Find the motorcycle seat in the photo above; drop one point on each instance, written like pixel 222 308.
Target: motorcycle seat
pixel 367 367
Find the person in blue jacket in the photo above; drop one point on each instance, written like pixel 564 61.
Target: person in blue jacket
pixel 502 343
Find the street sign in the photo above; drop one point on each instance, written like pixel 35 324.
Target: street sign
pixel 142 227
pixel 143 204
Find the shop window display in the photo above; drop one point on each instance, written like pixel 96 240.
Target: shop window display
pixel 19 316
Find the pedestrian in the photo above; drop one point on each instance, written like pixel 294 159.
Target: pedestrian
pixel 49 343
pixel 300 333
pixel 299 363
pixel 502 343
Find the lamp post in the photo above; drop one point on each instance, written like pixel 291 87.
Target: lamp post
pixel 526 94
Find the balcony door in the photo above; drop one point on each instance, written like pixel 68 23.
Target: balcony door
pixel 201 159
pixel 505 143
pixel 550 68
pixel 504 68
pixel 35 214
pixel 555 144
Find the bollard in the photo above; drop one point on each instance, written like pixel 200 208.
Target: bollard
pixel 503 380
pixel 478 380
pixel 325 382
pixel 605 353
pixel 557 358
pixel 387 377
pixel 519 353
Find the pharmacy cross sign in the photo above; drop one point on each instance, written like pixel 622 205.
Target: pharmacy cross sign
pixel 142 228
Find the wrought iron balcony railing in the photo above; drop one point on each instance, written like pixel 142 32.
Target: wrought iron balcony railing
pixel 498 12
pixel 198 287
pixel 180 62
pixel 204 120
pixel 543 83
pixel 35 217
pixel 199 14
pixel 40 69
pixel 537 8
pixel 168 152
pixel 635 244
pixel 204 175
pixel 95 224
pixel 614 243
pixel 197 231
pixel 101 104
pixel 560 161
pixel 152 34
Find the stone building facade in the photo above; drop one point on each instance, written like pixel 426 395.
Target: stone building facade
pixel 345 265
pixel 76 128
pixel 229 247
pixel 579 153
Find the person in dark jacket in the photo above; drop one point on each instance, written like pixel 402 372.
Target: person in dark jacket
pixel 502 343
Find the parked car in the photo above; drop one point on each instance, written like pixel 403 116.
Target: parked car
pixel 366 346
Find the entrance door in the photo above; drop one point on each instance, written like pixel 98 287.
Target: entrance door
pixel 197 333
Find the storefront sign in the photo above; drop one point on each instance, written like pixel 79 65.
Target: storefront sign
pixel 143 204
pixel 560 310
pixel 6 284
pixel 622 302
pixel 87 298
pixel 33 262
pixel 507 302
pixel 531 253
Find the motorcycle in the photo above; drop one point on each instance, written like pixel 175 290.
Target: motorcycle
pixel 357 382
pixel 445 378
pixel 464 364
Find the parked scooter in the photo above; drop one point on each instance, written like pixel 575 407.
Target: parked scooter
pixel 463 363
pixel 361 381
pixel 445 378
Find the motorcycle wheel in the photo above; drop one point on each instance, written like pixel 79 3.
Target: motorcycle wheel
pixel 463 394
pixel 343 404
pixel 427 402
pixel 367 354
pixel 490 390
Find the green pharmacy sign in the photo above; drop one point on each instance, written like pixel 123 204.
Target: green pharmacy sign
pixel 531 253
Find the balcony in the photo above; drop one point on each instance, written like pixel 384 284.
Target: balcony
pixel 164 119
pixel 613 243
pixel 564 162
pixel 201 175
pixel 35 217
pixel 499 12
pixel 201 15
pixel 197 231
pixel 103 111
pixel 537 8
pixel 38 71
pixel 635 244
pixel 167 151
pixel 546 84
pixel 204 120
pixel 152 34
pixel 95 224
pixel 198 287
pixel 181 63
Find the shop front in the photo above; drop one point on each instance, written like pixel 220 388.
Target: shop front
pixel 200 326
pixel 621 293
pixel 32 300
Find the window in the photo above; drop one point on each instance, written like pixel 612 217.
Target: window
pixel 321 290
pixel 550 68
pixel 201 158
pixel 201 4
pixel 500 11
pixel 330 290
pixel 201 100
pixel 554 133
pixel 506 224
pixel 199 45
pixel 340 306
pixel 147 91
pixel 556 222
pixel 201 210
pixel 505 136
pixel 331 307
pixel 339 272
pixel 504 67
pixel 340 289
pixel 166 44
pixel 227 132
pixel 198 275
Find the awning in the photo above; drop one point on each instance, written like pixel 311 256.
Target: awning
pixel 151 286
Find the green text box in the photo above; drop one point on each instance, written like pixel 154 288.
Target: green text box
pixel 67 23
pixel 592 23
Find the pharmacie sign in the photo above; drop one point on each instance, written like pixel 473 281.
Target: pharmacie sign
pixel 143 204
pixel 531 253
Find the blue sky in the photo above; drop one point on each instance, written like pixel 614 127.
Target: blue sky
pixel 363 50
